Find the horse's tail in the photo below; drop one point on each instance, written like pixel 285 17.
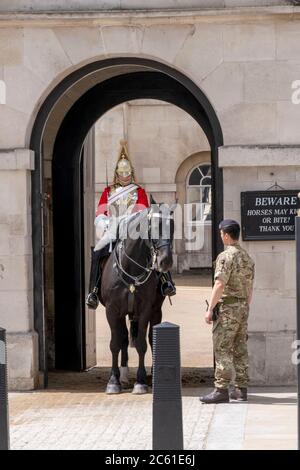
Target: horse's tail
pixel 133 332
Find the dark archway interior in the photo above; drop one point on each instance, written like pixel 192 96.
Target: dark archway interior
pixel 67 192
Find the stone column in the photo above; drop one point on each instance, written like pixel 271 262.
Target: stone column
pixel 16 276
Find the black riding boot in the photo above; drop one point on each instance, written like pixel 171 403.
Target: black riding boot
pixel 92 300
pixel 167 284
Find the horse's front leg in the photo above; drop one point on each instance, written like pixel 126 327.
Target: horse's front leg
pixel 124 375
pixel 114 385
pixel 141 386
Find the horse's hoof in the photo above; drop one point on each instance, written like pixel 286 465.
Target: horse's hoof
pixel 113 389
pixel 140 389
pixel 125 385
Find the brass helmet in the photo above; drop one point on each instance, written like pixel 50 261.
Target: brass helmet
pixel 124 171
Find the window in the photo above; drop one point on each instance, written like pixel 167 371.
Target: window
pixel 199 193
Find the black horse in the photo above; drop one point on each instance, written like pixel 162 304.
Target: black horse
pixel 130 286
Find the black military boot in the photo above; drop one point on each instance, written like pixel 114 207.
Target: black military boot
pixel 92 300
pixel 239 394
pixel 218 395
pixel 167 284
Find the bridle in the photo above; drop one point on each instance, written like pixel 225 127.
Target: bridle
pixel 155 246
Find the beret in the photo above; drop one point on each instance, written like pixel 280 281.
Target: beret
pixel 228 223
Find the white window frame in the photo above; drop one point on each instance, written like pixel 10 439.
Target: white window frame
pixel 199 165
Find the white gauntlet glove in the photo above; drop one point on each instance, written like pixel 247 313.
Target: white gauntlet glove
pixel 101 223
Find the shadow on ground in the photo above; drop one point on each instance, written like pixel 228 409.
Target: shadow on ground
pixel 262 399
pixel 95 380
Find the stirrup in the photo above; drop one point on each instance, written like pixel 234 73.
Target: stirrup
pixel 92 300
pixel 168 289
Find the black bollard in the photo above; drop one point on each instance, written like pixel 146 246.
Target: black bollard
pixel 297 228
pixel 167 432
pixel 4 424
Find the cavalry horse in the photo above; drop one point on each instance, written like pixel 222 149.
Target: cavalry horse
pixel 130 286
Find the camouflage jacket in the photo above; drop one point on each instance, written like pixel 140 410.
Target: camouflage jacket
pixel 236 269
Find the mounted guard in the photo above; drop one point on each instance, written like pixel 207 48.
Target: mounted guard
pixel 119 200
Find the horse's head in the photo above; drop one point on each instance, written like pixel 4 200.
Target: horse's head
pixel 161 232
pixel 153 229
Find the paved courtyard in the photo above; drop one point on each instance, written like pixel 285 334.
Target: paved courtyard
pixel 75 413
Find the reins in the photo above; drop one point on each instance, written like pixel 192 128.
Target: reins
pixel 138 280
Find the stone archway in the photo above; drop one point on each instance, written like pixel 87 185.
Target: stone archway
pixel 60 129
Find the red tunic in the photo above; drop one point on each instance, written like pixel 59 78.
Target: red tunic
pixel 142 201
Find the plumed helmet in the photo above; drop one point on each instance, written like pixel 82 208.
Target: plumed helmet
pixel 124 166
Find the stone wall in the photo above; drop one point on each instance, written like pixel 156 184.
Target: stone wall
pixel 16 277
pixel 272 321
pixel 244 67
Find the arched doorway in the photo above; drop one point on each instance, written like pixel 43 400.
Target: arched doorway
pixel 113 81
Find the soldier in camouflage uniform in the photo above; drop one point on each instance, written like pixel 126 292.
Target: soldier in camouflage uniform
pixel 232 292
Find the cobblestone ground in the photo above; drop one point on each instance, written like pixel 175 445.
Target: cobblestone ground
pixel 75 413
pixel 97 422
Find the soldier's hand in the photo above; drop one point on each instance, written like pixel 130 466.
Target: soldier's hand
pixel 208 316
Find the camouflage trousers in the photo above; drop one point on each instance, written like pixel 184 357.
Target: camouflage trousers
pixel 230 345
